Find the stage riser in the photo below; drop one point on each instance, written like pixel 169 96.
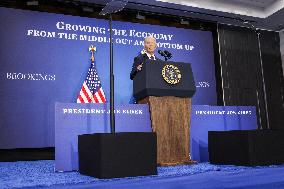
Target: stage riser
pixel 255 147
pixel 105 155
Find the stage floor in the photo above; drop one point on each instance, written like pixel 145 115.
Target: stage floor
pixel 34 174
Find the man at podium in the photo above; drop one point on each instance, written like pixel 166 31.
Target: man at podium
pixel 150 46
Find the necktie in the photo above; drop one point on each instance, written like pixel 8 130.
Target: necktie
pixel 152 57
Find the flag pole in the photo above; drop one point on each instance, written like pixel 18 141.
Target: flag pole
pixel 92 49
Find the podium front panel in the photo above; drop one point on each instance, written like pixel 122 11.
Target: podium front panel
pixel 150 82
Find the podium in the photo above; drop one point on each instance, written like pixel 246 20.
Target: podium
pixel 170 107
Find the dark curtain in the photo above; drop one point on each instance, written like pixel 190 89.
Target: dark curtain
pixel 246 79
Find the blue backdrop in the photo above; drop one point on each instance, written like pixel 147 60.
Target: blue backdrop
pixel 44 59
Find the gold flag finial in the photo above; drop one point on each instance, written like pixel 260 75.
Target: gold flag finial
pixel 92 49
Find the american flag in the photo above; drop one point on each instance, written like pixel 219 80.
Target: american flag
pixel 92 91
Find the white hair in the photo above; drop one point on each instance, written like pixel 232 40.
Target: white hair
pixel 150 37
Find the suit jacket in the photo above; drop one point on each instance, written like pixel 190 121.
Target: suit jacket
pixel 141 58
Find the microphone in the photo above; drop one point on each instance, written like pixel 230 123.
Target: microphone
pixel 162 53
pixel 168 54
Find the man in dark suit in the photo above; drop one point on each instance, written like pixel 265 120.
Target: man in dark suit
pixel 150 46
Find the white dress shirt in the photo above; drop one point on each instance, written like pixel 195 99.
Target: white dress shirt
pixel 149 56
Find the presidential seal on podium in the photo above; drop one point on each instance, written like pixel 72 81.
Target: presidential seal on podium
pixel 171 74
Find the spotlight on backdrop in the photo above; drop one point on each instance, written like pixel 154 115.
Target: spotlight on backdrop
pixel 32 3
pixel 87 9
pixel 184 22
pixel 140 17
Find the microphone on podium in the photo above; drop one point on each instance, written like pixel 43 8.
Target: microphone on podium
pixel 162 53
pixel 166 54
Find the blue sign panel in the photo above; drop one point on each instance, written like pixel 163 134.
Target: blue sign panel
pixel 217 118
pixel 73 119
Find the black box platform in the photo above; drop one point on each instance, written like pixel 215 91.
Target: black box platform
pixel 251 147
pixel 106 155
